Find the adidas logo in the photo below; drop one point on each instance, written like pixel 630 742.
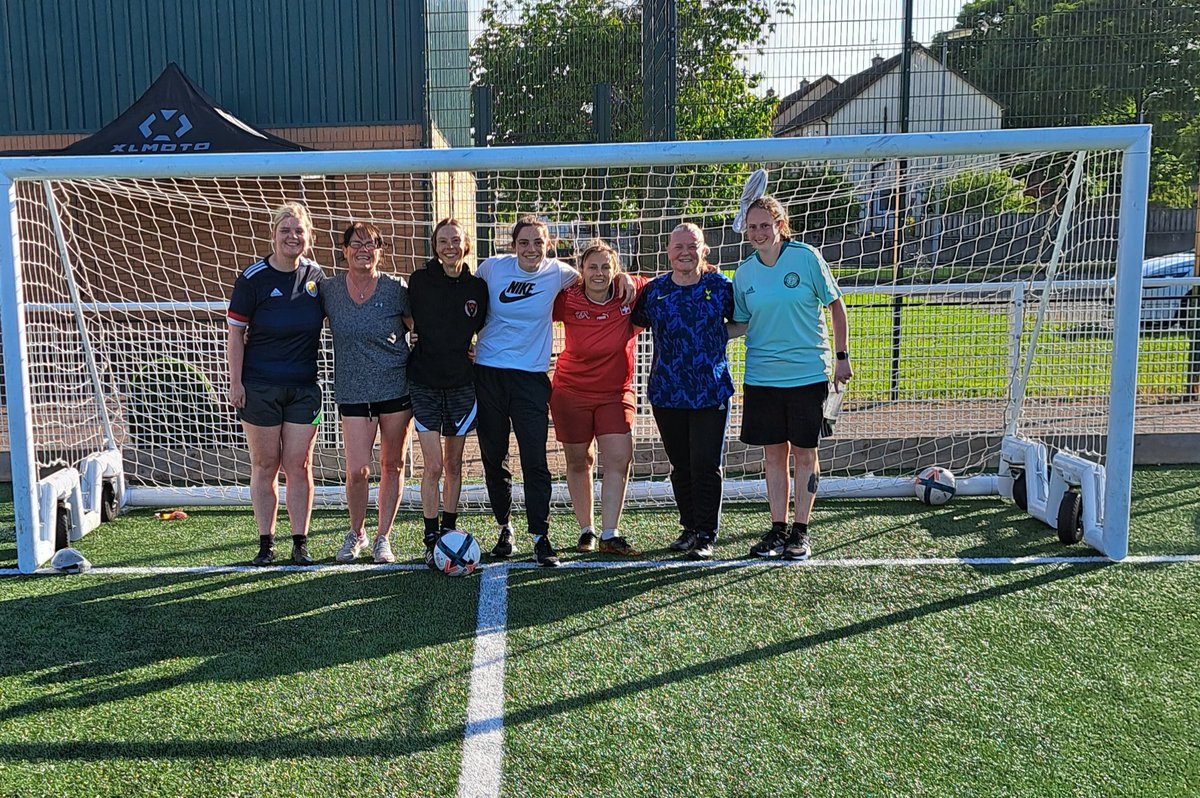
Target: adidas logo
pixel 276 292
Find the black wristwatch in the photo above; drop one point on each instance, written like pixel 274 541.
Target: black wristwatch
pixel 843 355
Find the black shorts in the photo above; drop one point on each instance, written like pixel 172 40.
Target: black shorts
pixel 783 415
pixel 450 412
pixel 375 409
pixel 272 405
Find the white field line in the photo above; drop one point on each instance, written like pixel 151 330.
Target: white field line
pixel 853 562
pixel 483 743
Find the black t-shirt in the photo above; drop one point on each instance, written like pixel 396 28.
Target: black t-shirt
pixel 447 312
pixel 282 311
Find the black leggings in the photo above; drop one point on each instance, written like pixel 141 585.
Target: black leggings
pixel 695 445
pixel 515 401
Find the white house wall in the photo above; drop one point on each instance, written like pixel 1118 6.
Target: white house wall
pixel 940 100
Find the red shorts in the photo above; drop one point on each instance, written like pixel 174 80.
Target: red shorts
pixel 579 419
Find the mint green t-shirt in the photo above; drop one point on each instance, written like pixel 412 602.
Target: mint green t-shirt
pixel 787 344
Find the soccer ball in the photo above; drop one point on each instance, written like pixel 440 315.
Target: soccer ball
pixel 456 553
pixel 934 485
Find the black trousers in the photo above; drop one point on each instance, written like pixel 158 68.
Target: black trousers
pixel 515 401
pixel 695 445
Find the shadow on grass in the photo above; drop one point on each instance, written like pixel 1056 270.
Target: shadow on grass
pixel 534 613
pixel 310 642
pixel 99 643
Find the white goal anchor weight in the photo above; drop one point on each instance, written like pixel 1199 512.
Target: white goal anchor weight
pixel 74 501
pixel 1068 496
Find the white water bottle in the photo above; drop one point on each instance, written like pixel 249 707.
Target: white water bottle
pixel 832 409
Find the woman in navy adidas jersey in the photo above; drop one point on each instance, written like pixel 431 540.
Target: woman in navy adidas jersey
pixel 275 320
pixel 780 295
pixel 687 310
pixel 368 313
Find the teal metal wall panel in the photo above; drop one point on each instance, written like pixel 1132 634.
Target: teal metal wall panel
pixel 74 65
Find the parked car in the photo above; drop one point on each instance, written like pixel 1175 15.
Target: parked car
pixel 1161 304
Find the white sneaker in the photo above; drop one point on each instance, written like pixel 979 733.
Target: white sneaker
pixel 352 546
pixel 382 551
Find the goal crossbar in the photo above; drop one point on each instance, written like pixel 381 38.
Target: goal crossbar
pixel 1131 142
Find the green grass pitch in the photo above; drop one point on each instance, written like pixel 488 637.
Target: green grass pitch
pixel 1049 680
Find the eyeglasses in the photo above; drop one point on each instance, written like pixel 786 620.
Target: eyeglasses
pixel 365 245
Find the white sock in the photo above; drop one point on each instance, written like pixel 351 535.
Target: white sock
pixel 587 530
pixel 608 534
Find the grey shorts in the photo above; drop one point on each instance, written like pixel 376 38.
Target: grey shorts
pixel 450 412
pixel 272 405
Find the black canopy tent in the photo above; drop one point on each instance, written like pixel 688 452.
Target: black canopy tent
pixel 174 115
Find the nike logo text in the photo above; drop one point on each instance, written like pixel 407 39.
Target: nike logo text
pixel 516 291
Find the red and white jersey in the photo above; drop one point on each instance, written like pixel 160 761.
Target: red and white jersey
pixel 597 359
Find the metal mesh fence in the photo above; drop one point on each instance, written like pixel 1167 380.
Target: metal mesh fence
pixel 595 70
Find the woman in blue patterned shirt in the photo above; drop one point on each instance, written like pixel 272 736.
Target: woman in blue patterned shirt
pixel 687 310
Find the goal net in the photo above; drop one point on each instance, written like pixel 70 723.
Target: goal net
pixel 979 272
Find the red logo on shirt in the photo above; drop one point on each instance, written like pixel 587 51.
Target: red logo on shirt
pixel 471 308
pixel 581 315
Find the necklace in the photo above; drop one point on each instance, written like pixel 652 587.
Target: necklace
pixel 351 287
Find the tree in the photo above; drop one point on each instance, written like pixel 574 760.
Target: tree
pixel 543 58
pixel 1080 62
pixel 990 193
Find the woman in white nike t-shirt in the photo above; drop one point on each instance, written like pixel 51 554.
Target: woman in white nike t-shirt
pixel 512 356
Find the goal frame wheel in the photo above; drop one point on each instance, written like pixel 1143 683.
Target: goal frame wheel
pixel 109 508
pixel 1070 518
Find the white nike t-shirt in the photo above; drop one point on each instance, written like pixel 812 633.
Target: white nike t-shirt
pixel 518 333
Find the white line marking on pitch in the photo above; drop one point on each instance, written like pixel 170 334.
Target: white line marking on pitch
pixel 483 743
pixel 854 562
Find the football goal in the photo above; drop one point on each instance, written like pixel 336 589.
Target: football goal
pixel 979 270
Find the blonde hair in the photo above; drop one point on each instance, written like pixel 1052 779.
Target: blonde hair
pixel 292 210
pixel 698 232
pixel 597 246
pixel 778 214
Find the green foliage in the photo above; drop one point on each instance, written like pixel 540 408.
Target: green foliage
pixel 542 61
pixel 171 403
pixel 1169 181
pixel 985 192
pixel 1080 62
pixel 818 198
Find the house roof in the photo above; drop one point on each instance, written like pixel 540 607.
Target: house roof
pixel 802 92
pixel 832 101
pixel 829 103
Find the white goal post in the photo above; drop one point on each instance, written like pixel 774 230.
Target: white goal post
pixel 980 269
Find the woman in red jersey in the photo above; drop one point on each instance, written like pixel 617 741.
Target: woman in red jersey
pixel 592 397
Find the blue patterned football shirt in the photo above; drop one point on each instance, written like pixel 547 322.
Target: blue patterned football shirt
pixel 689 369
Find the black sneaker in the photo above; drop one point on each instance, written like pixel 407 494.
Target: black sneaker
pixel 685 541
pixel 300 555
pixel 771 545
pixel 504 544
pixel 702 549
pixel 587 542
pixel 544 554
pixel 797 547
pixel 265 557
pixel 431 540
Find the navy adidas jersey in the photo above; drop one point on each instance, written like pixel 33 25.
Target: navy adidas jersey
pixel 283 317
pixel 689 369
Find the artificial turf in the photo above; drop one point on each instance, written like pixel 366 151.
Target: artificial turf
pixel 877 681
